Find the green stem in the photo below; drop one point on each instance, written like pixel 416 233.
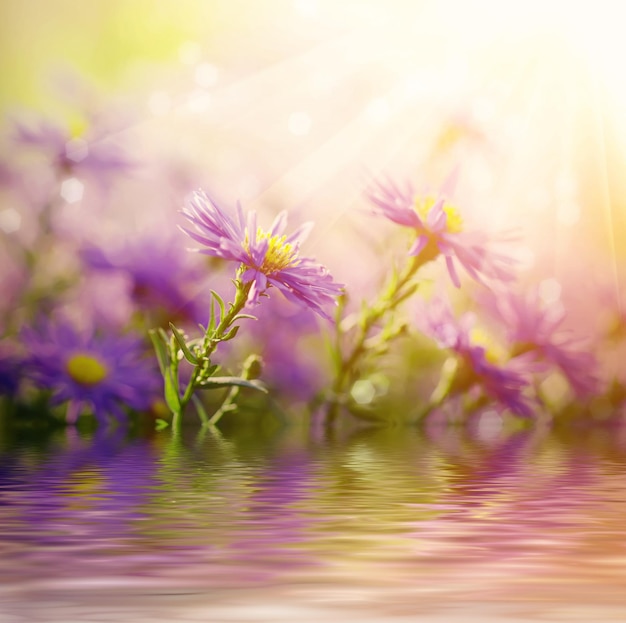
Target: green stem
pixel 211 340
pixel 396 291
pixel 250 370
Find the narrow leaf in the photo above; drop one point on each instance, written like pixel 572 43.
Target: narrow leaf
pixel 211 325
pixel 180 338
pixel 211 370
pixel 220 302
pixel 171 392
pixel 218 382
pixel 241 316
pixel 160 350
pixel 161 424
pixel 231 334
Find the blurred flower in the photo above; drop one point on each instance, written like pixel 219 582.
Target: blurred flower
pixel 11 368
pixel 269 257
pixel 439 231
pixel 102 373
pixel 291 365
pixel 82 153
pixel 477 367
pixel 163 279
pixel 533 327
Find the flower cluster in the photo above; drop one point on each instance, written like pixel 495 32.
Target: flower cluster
pixel 507 383
pixel 321 343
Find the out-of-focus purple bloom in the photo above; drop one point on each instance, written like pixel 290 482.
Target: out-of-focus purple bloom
pixel 163 280
pixel 91 154
pixel 439 231
pixel 505 384
pixel 535 328
pixel 290 364
pixel 102 373
pixel 10 371
pixel 269 257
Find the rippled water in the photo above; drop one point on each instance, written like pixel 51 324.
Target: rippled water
pixel 374 525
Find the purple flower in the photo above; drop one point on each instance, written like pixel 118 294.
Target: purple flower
pixel 269 258
pixel 10 370
pixel 102 373
pixel 505 384
pixel 536 329
pixel 162 279
pixel 289 365
pixel 439 231
pixel 88 154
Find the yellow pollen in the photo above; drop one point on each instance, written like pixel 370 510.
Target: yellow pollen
pixel 77 127
pixel 86 369
pixel 454 223
pixel 493 352
pixel 279 255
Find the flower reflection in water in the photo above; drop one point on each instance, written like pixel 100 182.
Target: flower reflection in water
pixel 377 522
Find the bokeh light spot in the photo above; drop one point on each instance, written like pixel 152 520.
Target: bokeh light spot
pixel 10 220
pixel 363 392
pixel 72 190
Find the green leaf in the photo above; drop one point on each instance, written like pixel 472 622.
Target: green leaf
pixel 241 316
pixel 219 382
pixel 231 334
pixel 161 351
pixel 220 302
pixel 402 296
pixel 211 326
pixel 171 392
pixel 211 370
pixel 161 424
pixel 180 338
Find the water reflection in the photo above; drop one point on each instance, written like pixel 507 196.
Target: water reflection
pixel 390 520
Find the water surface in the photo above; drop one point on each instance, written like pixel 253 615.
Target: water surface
pixel 372 525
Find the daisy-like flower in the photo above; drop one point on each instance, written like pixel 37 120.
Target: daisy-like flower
pixel 534 328
pixel 97 373
pixel 439 230
pixel 269 258
pixel 84 154
pixel 162 278
pixel 505 384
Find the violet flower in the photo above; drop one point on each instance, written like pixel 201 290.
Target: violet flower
pixel 101 373
pixel 534 328
pixel 289 364
pixel 439 230
pixel 162 279
pixel 268 258
pixel 11 370
pixel 506 384
pixel 88 154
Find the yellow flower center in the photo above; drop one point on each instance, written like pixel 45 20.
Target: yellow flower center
pixel 279 255
pixel 86 369
pixel 77 127
pixel 424 205
pixel 493 351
